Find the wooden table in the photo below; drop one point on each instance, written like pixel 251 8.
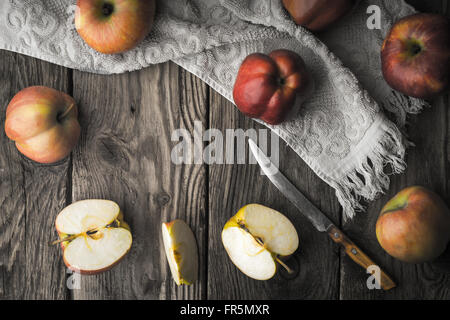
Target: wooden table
pixel 124 155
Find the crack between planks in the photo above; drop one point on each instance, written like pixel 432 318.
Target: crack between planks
pixel 25 214
pixel 207 190
pixel 446 102
pixel 68 196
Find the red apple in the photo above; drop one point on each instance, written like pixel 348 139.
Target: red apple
pixel 266 86
pixel 414 226
pixel 43 123
pixel 114 26
pixel 317 15
pixel 415 55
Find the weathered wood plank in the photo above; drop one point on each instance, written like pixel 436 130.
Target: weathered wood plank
pixel 233 186
pixel 427 166
pixel 125 156
pixel 31 195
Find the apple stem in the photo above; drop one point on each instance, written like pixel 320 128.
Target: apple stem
pixel 65 113
pixel 289 270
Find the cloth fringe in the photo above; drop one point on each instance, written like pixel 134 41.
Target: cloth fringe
pixel 401 106
pixel 369 179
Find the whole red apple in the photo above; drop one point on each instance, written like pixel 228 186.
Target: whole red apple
pixel 317 15
pixel 114 26
pixel 415 55
pixel 266 86
pixel 43 123
pixel 414 226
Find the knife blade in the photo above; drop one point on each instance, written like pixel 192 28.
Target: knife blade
pixel 319 220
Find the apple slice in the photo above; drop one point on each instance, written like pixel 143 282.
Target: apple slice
pixel 93 235
pixel 255 237
pixel 181 251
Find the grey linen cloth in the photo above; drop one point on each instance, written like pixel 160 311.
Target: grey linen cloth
pixel 340 130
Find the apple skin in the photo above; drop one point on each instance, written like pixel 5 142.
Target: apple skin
pixel 414 226
pixel 114 26
pixel 266 86
pixel 43 123
pixel 415 55
pixel 317 15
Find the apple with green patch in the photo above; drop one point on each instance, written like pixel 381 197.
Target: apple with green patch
pixel 414 226
pixel 255 239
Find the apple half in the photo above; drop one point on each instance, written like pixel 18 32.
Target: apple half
pixel 181 251
pixel 254 239
pixel 93 235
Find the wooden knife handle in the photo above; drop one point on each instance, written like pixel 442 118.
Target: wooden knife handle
pixel 358 256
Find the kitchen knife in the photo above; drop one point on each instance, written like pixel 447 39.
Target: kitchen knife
pixel 317 218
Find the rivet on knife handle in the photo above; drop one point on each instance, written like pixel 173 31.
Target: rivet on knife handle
pixel 358 256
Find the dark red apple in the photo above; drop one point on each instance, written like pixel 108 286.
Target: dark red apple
pixel 43 123
pixel 114 26
pixel 266 86
pixel 317 15
pixel 414 226
pixel 415 55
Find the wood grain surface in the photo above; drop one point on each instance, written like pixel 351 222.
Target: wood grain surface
pixel 427 166
pixel 124 154
pixel 30 195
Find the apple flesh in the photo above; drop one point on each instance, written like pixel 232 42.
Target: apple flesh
pixel 415 55
pixel 254 239
pixel 181 251
pixel 317 15
pixel 93 235
pixel 414 226
pixel 267 86
pixel 43 123
pixel 114 26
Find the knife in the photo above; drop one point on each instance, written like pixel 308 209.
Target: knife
pixel 317 218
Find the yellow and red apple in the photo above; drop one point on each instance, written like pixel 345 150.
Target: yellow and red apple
pixel 114 26
pixel 267 86
pixel 415 55
pixel 256 238
pixel 43 123
pixel 181 251
pixel 414 226
pixel 93 235
pixel 317 15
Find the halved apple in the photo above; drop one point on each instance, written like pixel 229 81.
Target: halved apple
pixel 181 251
pixel 93 235
pixel 254 239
